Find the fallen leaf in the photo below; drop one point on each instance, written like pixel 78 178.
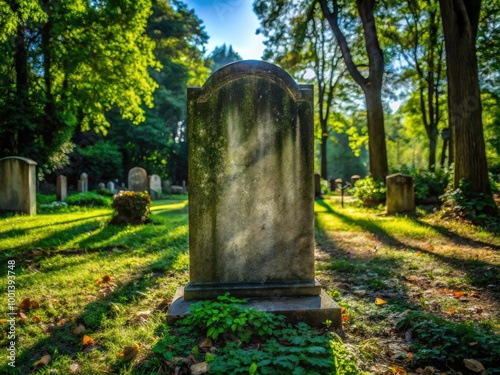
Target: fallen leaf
pixel 380 301
pixel 398 370
pixel 429 370
pixel 143 315
pixel 81 328
pixel 87 340
pixel 342 310
pixel 74 368
pixel 106 279
pixel 419 253
pixel 199 368
pixel 129 352
pixel 479 310
pixel 36 319
pixel 25 304
pixel 451 310
pixel 457 294
pixel 34 305
pixel 207 343
pixel 345 318
pixel 359 292
pixel 474 365
pixel 22 316
pixel 62 322
pixel 3 320
pixel 409 355
pixel 43 361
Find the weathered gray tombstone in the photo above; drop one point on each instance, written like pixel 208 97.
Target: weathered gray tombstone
pixel 184 187
pixel 61 187
pixel 137 179
pixel 101 186
pixel 166 186
pixel 176 189
pixel 111 186
pixel 251 185
pixel 400 194
pixel 317 185
pixel 18 185
pixel 154 186
pixel 83 183
pixel 354 179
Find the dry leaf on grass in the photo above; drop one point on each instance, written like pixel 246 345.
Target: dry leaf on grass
pixel 3 320
pixel 74 368
pixel 129 352
pixel 106 279
pixel 36 319
pixel 43 361
pixel 380 301
pixel 34 305
pixel 207 343
pixel 199 368
pixel 398 370
pixel 474 365
pixel 87 340
pixel 81 328
pixel 25 304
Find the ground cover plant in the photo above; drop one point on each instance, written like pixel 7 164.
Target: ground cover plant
pixel 419 295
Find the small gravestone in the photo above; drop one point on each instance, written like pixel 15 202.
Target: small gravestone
pixel 166 186
pixel 154 186
pixel 251 186
pixel 400 194
pixel 137 179
pixel 317 186
pixel 83 183
pixel 184 187
pixel 101 186
pixel 111 186
pixel 18 185
pixel 176 189
pixel 354 179
pixel 338 183
pixel 61 187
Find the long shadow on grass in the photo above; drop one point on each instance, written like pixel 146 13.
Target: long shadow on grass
pixel 62 341
pixel 481 274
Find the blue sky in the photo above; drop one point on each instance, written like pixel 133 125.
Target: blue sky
pixel 231 22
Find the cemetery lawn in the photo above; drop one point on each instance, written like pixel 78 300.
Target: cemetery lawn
pixel 420 295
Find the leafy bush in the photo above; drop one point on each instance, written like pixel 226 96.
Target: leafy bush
pixel 88 199
pixel 45 198
pixel 105 192
pixel 369 192
pixel 437 339
pixel 131 207
pixel 103 161
pixel 283 349
pixel 430 184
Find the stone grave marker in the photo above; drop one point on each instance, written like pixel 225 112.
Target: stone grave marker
pixel 251 186
pixel 83 183
pixel 111 186
pixel 61 187
pixel 18 185
pixel 137 179
pixel 101 186
pixel 400 194
pixel 338 183
pixel 354 179
pixel 317 186
pixel 154 186
pixel 184 187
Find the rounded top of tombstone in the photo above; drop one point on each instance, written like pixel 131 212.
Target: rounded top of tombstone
pixel 26 160
pixel 252 68
pixel 142 170
pixel 84 176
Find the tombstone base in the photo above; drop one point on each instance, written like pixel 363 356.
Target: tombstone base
pixel 200 291
pixel 313 310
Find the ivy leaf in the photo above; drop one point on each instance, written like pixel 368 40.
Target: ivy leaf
pixel 474 365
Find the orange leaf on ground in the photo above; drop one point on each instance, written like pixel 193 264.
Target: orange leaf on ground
pixel 419 253
pixel 129 352
pixel 34 305
pixel 342 310
pixel 87 340
pixel 25 304
pixel 43 361
pixel 409 355
pixel 457 294
pixel 380 301
pixel 36 319
pixel 3 320
pixel 345 318
pixel 451 310
pixel 398 370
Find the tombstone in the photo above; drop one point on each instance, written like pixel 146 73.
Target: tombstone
pixel 332 185
pixel 61 187
pixel 176 189
pixel 166 185
pixel 317 186
pixel 184 187
pixel 354 179
pixel 400 194
pixel 251 186
pixel 111 186
pixel 83 183
pixel 101 186
pixel 155 186
pixel 338 183
pixel 18 185
pixel 137 179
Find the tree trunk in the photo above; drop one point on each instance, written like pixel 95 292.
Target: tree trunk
pixel 324 171
pixel 460 24
pixel 376 134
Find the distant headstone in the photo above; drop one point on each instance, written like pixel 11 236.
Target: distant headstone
pixel 251 186
pixel 137 179
pixel 83 183
pixel 166 185
pixel 111 186
pixel 155 186
pixel 101 186
pixel 400 194
pixel 61 187
pixel 176 189
pixel 184 187
pixel 354 179
pixel 317 185
pixel 338 183
pixel 18 185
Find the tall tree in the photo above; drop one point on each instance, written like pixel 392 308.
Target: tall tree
pixel 221 56
pixel 372 84
pixel 460 25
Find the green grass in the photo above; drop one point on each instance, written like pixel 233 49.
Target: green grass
pixel 362 255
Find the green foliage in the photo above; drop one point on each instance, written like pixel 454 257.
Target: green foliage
pixel 284 349
pixel 369 192
pixel 131 207
pixel 87 199
pixel 429 183
pixel 462 203
pixel 437 339
pixel 102 161
pixel 221 56
pixel 227 315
